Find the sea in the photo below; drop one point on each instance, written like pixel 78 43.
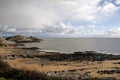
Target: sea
pixel 70 45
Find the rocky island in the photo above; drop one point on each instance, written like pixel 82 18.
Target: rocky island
pixel 17 62
pixel 23 39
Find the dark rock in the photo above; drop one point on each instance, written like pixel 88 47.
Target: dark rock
pixel 109 72
pixel 89 56
pixel 31 48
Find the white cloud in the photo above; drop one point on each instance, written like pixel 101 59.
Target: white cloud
pixel 109 8
pixel 56 29
pixel 113 32
pixel 70 30
pixel 91 26
pixel 62 28
pixel 39 12
pixel 80 10
pixel 118 2
pixel 51 16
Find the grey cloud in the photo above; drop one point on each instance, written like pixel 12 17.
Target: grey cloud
pixel 61 28
pixel 25 13
pixel 46 12
pixel 5 29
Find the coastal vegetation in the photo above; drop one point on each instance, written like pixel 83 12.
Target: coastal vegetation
pixel 21 63
pixel 9 73
pixel 44 63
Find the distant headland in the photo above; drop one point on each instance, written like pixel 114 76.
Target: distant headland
pixel 17 40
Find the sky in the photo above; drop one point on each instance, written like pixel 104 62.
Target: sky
pixel 60 18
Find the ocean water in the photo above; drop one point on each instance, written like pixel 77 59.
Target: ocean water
pixel 69 45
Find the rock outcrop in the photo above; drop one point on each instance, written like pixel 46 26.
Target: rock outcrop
pixel 6 43
pixel 3 42
pixel 23 39
pixel 16 38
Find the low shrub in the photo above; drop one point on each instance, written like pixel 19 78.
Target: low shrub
pixel 2 78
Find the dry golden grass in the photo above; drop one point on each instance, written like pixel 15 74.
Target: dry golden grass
pixel 34 64
pixel 13 50
pixel 4 50
pixel 18 63
pixel 92 67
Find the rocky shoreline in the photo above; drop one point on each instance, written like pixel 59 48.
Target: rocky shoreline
pixel 89 57
pixel 86 65
pixel 57 56
pixel 85 55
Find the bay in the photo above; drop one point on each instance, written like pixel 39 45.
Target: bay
pixel 68 45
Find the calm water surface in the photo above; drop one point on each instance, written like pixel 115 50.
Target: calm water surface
pixel 105 45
